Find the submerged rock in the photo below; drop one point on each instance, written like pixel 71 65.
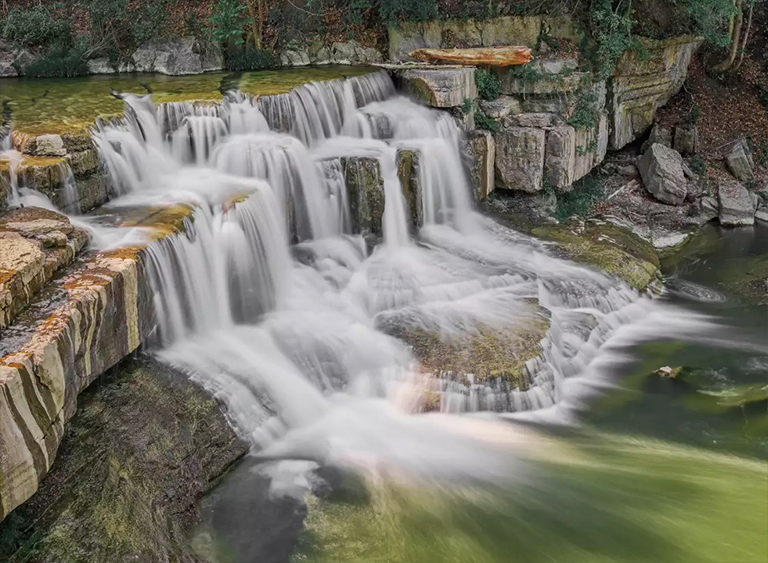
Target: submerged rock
pixel 662 171
pixel 737 208
pixel 609 248
pixel 145 444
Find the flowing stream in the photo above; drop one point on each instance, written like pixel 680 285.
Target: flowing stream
pixel 304 328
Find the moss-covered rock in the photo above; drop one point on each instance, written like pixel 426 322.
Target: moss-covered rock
pixel 607 247
pixel 365 187
pixel 408 173
pixel 145 443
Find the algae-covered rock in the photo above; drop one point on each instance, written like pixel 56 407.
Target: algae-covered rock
pixel 145 444
pixel 606 247
pixel 365 187
pixel 408 173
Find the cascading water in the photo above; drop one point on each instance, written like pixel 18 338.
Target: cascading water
pixel 300 349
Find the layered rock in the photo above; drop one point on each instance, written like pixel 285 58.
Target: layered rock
pixel 440 87
pixel 520 158
pixel 341 53
pixel 146 443
pixel 36 244
pixel 643 82
pixel 480 156
pixel 447 34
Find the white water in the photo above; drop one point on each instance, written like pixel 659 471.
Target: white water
pixel 296 340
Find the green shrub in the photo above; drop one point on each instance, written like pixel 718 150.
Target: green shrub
pixel 585 113
pixel 250 59
pixel 581 200
pixel 38 25
pixel 60 62
pixel 227 22
pixel 483 121
pixel 392 12
pixel 612 32
pixel 698 165
pixel 488 84
pixel 150 21
pixel 709 18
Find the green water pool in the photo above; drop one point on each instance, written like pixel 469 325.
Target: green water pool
pixel 71 105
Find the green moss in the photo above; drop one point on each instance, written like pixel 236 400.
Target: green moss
pixel 607 247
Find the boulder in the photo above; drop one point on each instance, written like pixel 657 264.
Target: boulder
pixel 440 88
pixel 687 139
pixel 762 214
pixel 659 135
pixel 480 156
pixel 520 155
pixel 104 66
pixel 662 171
pixel 740 162
pixel 737 208
pixel 643 81
pixel 295 57
pixel 7 70
pixel 179 56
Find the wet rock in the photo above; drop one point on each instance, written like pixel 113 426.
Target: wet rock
pixel 668 372
pixel 175 57
pixel 609 248
pixel 365 189
pixel 83 321
pixel 642 83
pixel 480 155
pixel 687 139
pixel 659 135
pixel 147 442
pixel 705 210
pixel 520 155
pixel 662 171
pixel 740 162
pixel 762 214
pixel 408 173
pixel 737 208
pixel 440 88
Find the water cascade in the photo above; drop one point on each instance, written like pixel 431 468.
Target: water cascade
pixel 303 343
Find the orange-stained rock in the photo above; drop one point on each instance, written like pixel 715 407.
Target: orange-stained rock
pixel 488 56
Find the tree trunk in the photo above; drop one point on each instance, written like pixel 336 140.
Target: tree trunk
pixel 256 22
pixel 733 47
pixel 746 36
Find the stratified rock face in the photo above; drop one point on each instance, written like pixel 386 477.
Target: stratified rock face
pixel 440 88
pixel 740 162
pixel 35 244
pixel 561 157
pixel 365 189
pixel 640 85
pixel 408 173
pixel 145 444
pixel 177 57
pixel 86 321
pixel 737 207
pixel 662 171
pixel 504 31
pixel 520 159
pixel 480 156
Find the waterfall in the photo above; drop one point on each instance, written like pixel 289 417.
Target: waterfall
pixel 301 341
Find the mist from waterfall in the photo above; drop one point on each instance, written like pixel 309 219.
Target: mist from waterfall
pixel 272 302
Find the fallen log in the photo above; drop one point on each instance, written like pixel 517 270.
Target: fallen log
pixel 484 56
